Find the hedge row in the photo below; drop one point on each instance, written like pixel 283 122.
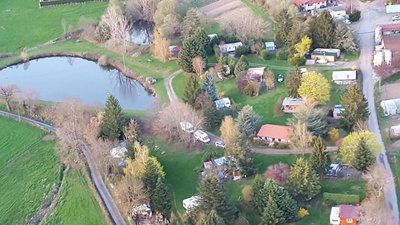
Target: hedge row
pixel 330 199
pixel 44 3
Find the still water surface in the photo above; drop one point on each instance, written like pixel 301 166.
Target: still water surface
pixel 59 78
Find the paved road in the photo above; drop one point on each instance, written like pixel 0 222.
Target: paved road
pixel 168 85
pixel 372 15
pixel 94 172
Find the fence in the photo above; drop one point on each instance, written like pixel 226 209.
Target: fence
pixel 44 3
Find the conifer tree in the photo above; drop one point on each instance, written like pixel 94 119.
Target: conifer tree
pixel 209 112
pixel 112 126
pixel 364 157
pixel 319 157
pixel 192 90
pixel 190 22
pixel 214 197
pixel 131 136
pixel 192 46
pixel 241 65
pixel 152 172
pixel 271 215
pixel 288 207
pixel 355 105
pixel 210 219
pixel 303 181
pixel 323 31
pixel 209 87
pixel 161 201
pixel 249 122
pixel 293 82
pixel 283 27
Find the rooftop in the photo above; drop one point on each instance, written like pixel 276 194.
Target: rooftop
pixel 390 27
pixel 292 101
pixel 391 42
pixel 348 211
pixel 301 2
pixel 274 131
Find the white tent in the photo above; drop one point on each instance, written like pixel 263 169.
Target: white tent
pixel 391 106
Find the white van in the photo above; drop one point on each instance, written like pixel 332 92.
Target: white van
pixel 201 136
pixel 187 127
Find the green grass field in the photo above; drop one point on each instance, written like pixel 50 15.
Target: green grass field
pixel 28 170
pixel 24 24
pixel 76 197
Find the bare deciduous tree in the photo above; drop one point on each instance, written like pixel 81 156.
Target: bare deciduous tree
pixel 198 65
pixel 169 118
pixel 244 26
pixel 8 92
pixel 300 137
pixel 130 192
pixel 116 23
pixel 278 172
pixel 141 9
pixel 377 180
pixel 27 103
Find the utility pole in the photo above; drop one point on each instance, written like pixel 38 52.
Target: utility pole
pixel 351 6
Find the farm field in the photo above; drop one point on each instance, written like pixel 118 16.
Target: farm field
pixel 25 25
pixel 76 197
pixel 29 169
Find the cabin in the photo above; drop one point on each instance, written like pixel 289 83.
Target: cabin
pixel 289 105
pixel 270 46
pixel 310 4
pixel 344 215
pixel 229 47
pixel 274 133
pixel 344 77
pixel 327 54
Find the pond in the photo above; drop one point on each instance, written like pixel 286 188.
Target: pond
pixel 141 33
pixel 56 79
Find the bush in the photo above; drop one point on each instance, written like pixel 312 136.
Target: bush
pixel 281 55
pixel 334 135
pixel 265 54
pixel 355 16
pixel 330 199
pixel 297 60
pixel 302 213
pixel 247 193
pixel 279 173
pixel 242 50
pixel 248 90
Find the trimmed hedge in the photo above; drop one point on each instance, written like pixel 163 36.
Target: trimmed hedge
pixel 330 199
pixel 43 3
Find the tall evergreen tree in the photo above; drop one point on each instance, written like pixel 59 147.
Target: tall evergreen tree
pixel 272 215
pixel 303 181
pixel 293 82
pixel 210 219
pixel 284 24
pixel 131 134
pixel 152 172
pixel 249 122
pixel 214 197
pixel 113 123
pixel 355 105
pixel 323 30
pixel 190 22
pixel 161 201
pixel 209 87
pixel 192 90
pixel 364 157
pixel 258 194
pixel 241 65
pixel 209 112
pixel 319 159
pixel 289 207
pixel 192 46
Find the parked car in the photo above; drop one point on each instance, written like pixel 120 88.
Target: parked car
pixel 396 18
pixel 280 78
pixel 220 144
pixel 201 136
pixel 187 127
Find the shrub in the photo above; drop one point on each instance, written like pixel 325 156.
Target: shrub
pixel 330 199
pixel 24 55
pixel 242 50
pixel 302 213
pixel 281 55
pixel 247 193
pixel 334 135
pixel 297 60
pixel 355 16
pixel 278 172
pixel 265 54
pixel 103 60
pixel 248 90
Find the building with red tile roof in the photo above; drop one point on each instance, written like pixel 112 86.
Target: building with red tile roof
pixel 274 133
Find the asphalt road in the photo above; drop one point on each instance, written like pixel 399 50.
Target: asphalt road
pixel 94 172
pixel 373 13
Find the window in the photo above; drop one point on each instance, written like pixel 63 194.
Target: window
pixel 349 220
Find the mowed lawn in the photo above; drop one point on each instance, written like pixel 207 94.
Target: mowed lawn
pixel 28 170
pixel 77 203
pixel 24 24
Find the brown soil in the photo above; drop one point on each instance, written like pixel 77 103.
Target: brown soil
pixel 49 137
pixel 390 91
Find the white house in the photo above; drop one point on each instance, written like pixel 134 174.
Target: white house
pixel 334 218
pixel 270 46
pixel 344 77
pixel 310 4
pixel 338 14
pixel 229 47
pixel 391 106
pixel 191 202
pixel 395 131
